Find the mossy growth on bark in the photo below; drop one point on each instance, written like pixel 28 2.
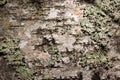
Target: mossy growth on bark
pixel 96 24
pixel 110 7
pixel 95 59
pixel 15 57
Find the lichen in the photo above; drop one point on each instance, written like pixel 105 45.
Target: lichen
pixel 95 59
pixel 110 7
pixel 15 57
pixel 97 24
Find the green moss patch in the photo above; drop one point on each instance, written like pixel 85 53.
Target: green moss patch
pixel 95 59
pixel 15 58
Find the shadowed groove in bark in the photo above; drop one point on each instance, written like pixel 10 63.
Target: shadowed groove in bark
pixel 96 76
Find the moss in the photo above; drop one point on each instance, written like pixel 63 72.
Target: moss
pixel 97 25
pixel 95 59
pixel 110 7
pixel 15 57
pixel 99 20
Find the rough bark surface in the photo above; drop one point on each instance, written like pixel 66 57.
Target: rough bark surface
pixel 57 35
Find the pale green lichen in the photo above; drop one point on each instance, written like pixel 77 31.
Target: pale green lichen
pixel 15 57
pixel 96 24
pixel 110 7
pixel 95 59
